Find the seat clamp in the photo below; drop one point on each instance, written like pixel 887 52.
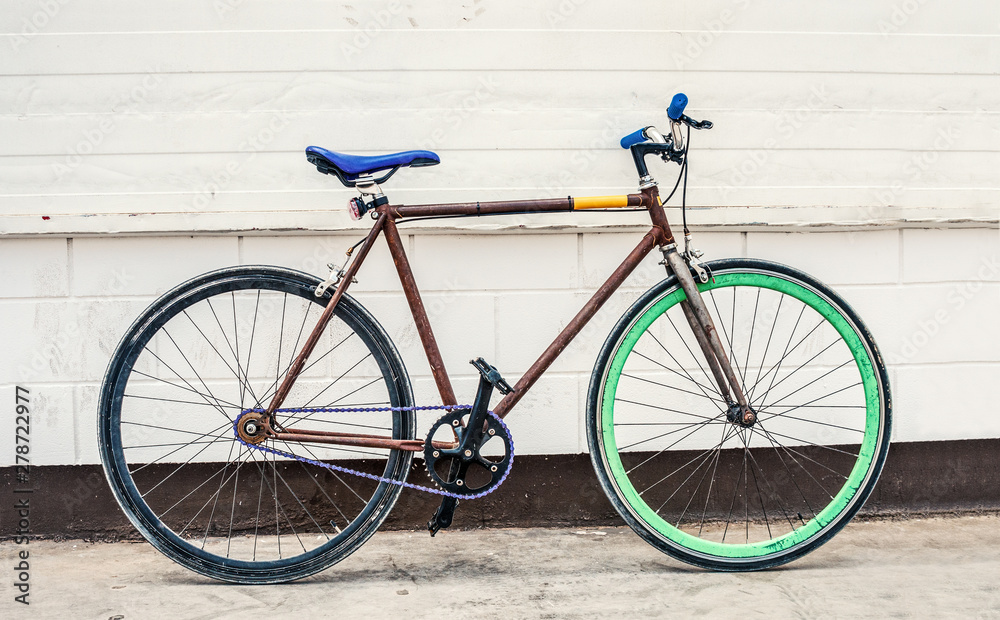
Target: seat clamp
pixel 366 185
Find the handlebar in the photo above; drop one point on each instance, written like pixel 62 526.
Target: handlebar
pixel 677 117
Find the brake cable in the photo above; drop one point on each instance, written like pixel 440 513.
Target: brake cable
pixel 684 173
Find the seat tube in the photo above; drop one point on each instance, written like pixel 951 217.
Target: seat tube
pixel 419 313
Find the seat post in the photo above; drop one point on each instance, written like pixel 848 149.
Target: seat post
pixel 366 185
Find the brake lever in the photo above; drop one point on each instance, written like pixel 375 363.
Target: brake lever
pixel 690 122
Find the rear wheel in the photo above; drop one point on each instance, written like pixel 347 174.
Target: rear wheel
pixel 702 486
pixel 197 358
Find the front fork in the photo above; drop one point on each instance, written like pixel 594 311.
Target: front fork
pixel 696 313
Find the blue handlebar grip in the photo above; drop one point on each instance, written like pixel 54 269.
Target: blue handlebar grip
pixel 676 109
pixel 634 138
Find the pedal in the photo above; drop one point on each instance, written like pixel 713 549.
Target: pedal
pixel 491 375
pixel 443 516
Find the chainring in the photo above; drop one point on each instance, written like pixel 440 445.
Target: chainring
pixel 477 471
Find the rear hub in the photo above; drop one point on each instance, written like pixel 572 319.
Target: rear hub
pixel 252 427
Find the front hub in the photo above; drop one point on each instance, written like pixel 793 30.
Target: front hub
pixel 740 416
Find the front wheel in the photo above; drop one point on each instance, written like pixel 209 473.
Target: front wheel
pixel 213 348
pixel 706 488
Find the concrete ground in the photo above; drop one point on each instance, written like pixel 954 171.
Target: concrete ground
pixel 920 568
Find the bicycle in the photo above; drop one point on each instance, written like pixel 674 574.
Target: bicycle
pixel 257 424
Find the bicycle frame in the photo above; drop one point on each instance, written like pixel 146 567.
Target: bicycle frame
pixel 387 215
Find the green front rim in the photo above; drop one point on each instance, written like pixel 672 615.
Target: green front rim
pixel 855 480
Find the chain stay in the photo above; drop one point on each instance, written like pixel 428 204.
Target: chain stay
pixel 354 472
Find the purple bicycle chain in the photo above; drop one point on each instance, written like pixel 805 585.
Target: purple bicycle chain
pixel 348 470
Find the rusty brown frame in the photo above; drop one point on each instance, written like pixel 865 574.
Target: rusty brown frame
pixel 386 217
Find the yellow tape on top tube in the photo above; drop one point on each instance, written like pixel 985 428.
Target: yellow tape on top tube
pixel 600 202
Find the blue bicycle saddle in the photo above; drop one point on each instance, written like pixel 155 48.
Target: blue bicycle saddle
pixel 348 167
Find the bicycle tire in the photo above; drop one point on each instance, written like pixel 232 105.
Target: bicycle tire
pixel 221 343
pixel 783 486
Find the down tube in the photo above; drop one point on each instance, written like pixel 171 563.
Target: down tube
pixel 579 321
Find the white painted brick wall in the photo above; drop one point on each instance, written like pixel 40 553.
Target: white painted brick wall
pixel 935 319
pixel 104 267
pixel 185 118
pixel 929 257
pixel 33 268
pixel 165 120
pixel 500 262
pixel 866 257
pixel 944 401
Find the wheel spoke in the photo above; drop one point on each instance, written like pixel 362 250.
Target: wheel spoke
pixel 335 381
pixel 767 346
pixel 685 413
pixel 783 379
pixel 705 389
pixel 670 387
pixel 732 504
pixel 727 432
pixel 697 427
pixel 817 399
pixel 753 321
pixel 792 453
pixel 218 439
pixel 704 456
pixel 791 476
pixel 207 394
pixel 187 388
pixel 216 495
pixel 732 356
pixel 696 359
pixel 238 371
pixel 777 367
pixel 711 455
pixel 273 388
